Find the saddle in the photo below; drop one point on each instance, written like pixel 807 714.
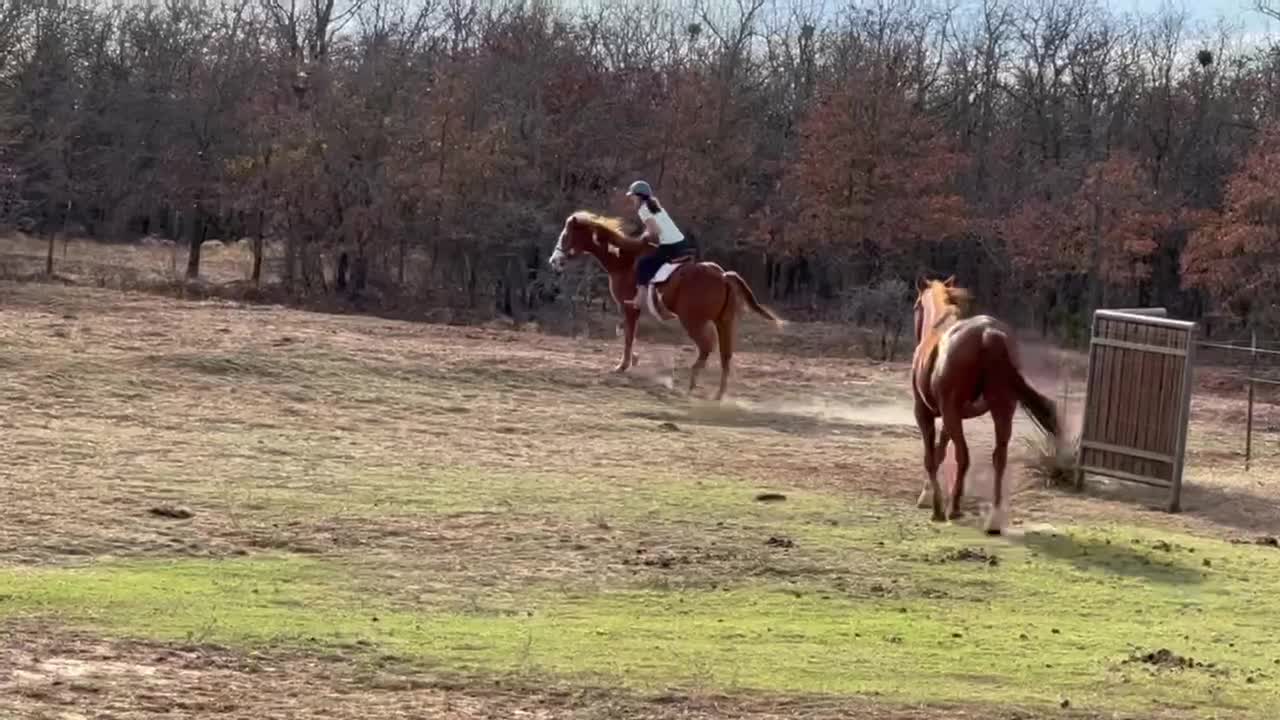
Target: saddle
pixel 664 273
pixel 653 299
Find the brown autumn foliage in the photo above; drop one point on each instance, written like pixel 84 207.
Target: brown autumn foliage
pixel 871 174
pixel 1056 156
pixel 1106 226
pixel 1236 256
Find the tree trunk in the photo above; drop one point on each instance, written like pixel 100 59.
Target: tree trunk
pixel 199 229
pixel 257 250
pixel 340 275
pixel 48 261
pixel 359 274
pixel 1095 260
pixel 290 262
pixel 404 251
pixel 469 267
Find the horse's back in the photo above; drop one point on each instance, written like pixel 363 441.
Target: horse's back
pixel 966 337
pixel 956 353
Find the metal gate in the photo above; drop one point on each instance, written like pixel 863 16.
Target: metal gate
pixel 1138 399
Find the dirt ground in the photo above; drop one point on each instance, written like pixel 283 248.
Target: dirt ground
pixel 119 412
pixel 69 677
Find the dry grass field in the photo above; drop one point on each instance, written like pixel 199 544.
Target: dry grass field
pixel 223 510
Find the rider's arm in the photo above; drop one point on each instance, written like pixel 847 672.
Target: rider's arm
pixel 652 233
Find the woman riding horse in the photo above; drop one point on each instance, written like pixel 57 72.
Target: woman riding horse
pixel 702 295
pixel 657 225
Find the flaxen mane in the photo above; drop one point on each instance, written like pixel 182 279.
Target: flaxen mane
pixel 961 299
pixel 955 301
pixel 611 225
pixel 614 230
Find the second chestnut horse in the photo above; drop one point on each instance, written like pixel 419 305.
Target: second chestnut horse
pixel 965 367
pixel 702 295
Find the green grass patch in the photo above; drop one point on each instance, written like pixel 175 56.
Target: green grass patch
pixel 1053 617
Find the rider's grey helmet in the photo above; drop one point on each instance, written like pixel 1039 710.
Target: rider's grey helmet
pixel 641 188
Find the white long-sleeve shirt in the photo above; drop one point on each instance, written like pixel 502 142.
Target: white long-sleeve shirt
pixel 668 233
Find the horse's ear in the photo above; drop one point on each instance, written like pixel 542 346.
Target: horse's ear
pixel 922 283
pixel 573 220
pixel 950 282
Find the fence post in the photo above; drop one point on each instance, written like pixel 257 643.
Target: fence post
pixel 1184 419
pixel 1084 409
pixel 1248 425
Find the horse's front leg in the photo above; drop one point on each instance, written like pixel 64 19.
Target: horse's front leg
pixel 630 318
pixel 928 434
pixel 952 426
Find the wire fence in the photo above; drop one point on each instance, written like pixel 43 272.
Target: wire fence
pixel 1253 363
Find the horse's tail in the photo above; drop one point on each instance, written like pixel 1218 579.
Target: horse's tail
pixel 744 290
pixel 1043 411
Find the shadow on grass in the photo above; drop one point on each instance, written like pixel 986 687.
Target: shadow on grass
pixel 1235 508
pixel 1118 558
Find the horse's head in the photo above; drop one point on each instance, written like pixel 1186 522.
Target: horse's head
pixel 585 232
pixel 936 299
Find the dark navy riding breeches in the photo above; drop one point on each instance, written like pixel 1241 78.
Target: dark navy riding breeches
pixel 649 265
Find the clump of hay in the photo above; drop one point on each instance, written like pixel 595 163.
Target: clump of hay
pixel 1053 463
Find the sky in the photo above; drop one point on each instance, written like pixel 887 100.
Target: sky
pixel 1208 11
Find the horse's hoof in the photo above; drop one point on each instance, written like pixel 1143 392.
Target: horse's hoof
pixel 956 514
pixel 621 368
pixel 939 517
pixel 923 501
pixel 996 521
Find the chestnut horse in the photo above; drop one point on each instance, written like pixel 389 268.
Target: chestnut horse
pixel 701 294
pixel 964 368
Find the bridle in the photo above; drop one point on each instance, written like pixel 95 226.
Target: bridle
pixel 561 252
pixel 560 248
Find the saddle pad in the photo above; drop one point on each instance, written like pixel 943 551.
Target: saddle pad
pixel 664 272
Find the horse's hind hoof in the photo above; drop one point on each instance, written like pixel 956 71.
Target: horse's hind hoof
pixel 939 517
pixel 996 521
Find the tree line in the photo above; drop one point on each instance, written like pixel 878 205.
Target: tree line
pixel 1057 155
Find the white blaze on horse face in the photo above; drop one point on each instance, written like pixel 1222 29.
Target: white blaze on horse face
pixel 557 257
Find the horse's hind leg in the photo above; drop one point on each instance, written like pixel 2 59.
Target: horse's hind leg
pixel 1002 416
pixel 704 337
pixel 724 330
pixel 951 425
